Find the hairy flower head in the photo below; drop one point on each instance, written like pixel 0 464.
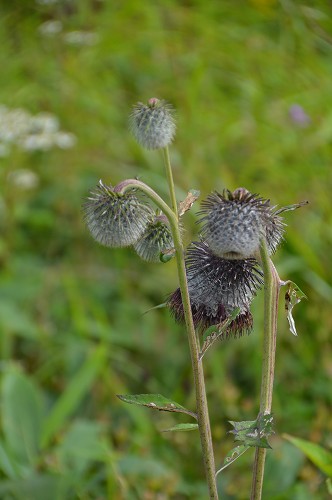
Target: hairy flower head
pixel 204 317
pixel 116 219
pixel 153 124
pixel 217 286
pixel 235 223
pixel 155 240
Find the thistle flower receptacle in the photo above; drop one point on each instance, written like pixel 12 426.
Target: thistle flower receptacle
pixel 153 124
pixel 155 240
pixel 116 219
pixel 235 223
pixel 216 287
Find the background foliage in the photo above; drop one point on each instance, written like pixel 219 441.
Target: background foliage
pixel 252 89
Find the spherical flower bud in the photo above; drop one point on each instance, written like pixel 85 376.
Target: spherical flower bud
pixel 116 219
pixel 153 124
pixel 155 240
pixel 235 223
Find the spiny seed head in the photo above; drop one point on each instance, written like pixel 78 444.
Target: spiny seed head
pixel 217 286
pixel 203 317
pixel 213 280
pixel 153 124
pixel 234 224
pixel 157 238
pixel 116 219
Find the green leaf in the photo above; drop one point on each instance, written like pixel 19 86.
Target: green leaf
pixel 83 443
pixel 78 387
pixel 233 455
pixel 159 306
pixel 156 402
pixel 321 457
pixel 215 332
pixel 21 417
pixel 182 427
pixel 293 296
pixel 329 485
pixel 254 432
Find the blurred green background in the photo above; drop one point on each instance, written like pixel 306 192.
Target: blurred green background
pixel 251 83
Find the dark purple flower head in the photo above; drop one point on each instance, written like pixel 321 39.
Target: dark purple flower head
pixel 235 223
pixel 203 316
pixel 217 286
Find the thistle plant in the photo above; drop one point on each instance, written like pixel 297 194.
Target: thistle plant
pixel 219 275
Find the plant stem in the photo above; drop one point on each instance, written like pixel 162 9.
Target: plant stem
pixel 199 381
pixel 170 181
pixel 271 296
pixel 197 364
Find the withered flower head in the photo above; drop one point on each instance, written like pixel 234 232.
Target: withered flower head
pixel 204 317
pixel 234 224
pixel 217 286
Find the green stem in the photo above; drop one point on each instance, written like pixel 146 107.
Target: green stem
pixel 271 296
pixel 199 381
pixel 170 181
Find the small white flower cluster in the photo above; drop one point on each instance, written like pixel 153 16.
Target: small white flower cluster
pixel 31 132
pixel 76 38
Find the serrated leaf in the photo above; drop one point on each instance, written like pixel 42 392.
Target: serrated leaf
pixel 182 427
pixel 293 296
pixel 254 432
pixel 321 457
pixel 233 455
pixel 156 402
pixel 186 204
pixel 215 332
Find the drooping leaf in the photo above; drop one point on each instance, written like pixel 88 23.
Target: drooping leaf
pixel 73 394
pixel 233 455
pixel 254 432
pixel 190 199
pixel 21 416
pixel 293 296
pixel 156 402
pixel 215 332
pixel 182 427
pixel 321 457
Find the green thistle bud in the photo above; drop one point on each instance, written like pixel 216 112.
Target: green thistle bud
pixel 155 240
pixel 235 223
pixel 153 125
pixel 115 219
